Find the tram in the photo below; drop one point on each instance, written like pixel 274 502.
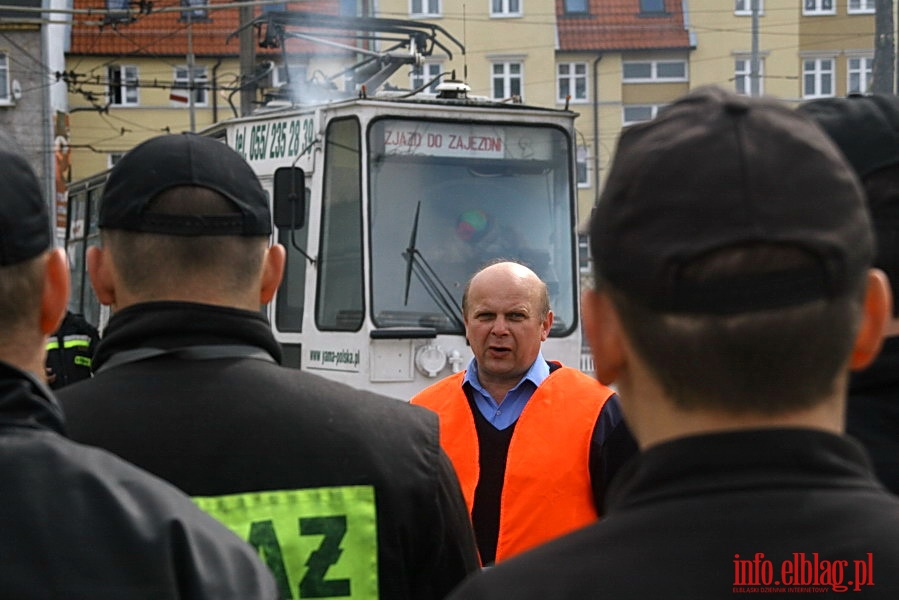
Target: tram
pixel 387 204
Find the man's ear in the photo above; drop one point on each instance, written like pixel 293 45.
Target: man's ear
pixel 100 271
pixel 55 297
pixel 876 314
pixel 603 330
pixel 272 272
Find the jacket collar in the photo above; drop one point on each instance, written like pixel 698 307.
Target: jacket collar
pixel 26 402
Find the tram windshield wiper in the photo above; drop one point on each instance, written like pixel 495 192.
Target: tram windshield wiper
pixel 430 280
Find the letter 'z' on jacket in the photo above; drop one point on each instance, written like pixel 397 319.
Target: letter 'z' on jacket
pixel 546 490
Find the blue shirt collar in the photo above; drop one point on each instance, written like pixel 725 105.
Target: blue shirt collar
pixel 505 411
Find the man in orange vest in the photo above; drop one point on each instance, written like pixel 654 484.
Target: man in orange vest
pixel 534 443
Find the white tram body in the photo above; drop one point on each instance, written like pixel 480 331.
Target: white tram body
pixel 401 200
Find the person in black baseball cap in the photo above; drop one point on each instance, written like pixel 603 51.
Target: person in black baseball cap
pixel 733 293
pixel 188 384
pixel 866 129
pixel 77 521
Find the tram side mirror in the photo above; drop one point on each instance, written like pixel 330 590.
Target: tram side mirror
pixel 290 198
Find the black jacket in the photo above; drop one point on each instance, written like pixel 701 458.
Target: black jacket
pixel 719 516
pixel 225 428
pixel 70 351
pixel 873 413
pixel 78 523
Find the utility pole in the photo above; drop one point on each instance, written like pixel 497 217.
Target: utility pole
pixel 883 72
pixel 190 71
pixel 754 62
pixel 247 60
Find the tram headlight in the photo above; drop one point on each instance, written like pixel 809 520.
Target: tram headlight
pixel 430 360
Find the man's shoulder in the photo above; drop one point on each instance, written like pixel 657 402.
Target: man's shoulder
pixel 440 391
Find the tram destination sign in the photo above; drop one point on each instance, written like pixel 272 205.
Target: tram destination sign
pixel 463 140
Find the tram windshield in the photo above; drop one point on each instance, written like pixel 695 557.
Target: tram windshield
pixel 448 197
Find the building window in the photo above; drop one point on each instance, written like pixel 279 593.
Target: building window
pixel 654 70
pixel 637 113
pixel 424 8
pixel 817 77
pixel 571 81
pixel 744 7
pixel 123 85
pixel 575 7
pixel 117 11
pixel 860 71
pixel 819 7
pixel 743 76
pixel 583 252
pixel 113 157
pixel 194 13
pixel 652 6
pixel 181 86
pixel 423 74
pixel 506 80
pixel 5 96
pixel 861 6
pixel 581 165
pixel 505 8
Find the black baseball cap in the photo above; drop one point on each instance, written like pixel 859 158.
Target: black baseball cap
pixel 186 159
pixel 716 170
pixel 865 128
pixel 24 216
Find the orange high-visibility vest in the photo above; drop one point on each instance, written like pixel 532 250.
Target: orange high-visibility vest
pixel 546 491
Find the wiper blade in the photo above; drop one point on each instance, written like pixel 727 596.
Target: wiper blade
pixel 430 280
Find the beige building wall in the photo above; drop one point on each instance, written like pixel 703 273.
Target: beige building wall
pixel 97 137
pixel 842 40
pixel 520 42
pixel 724 42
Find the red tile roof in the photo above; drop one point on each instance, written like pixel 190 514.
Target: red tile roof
pixel 619 25
pixel 166 34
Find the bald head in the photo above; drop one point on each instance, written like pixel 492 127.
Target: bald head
pixel 509 271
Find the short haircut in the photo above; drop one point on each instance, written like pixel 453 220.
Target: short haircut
pixel 770 361
pixel 882 190
pixel 153 263
pixel 21 286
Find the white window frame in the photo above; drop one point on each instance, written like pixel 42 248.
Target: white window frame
pixel 819 7
pixel 582 157
pixel 743 8
pixel 571 79
pixel 654 71
pixel 181 81
pixel 744 74
pixel 864 70
pixel 420 75
pixel 296 75
pixel 500 9
pixel 860 7
pixel 506 77
pixel 822 69
pixel 112 158
pixel 652 108
pixel 129 90
pixel 425 8
pixel 583 249
pixel 6 98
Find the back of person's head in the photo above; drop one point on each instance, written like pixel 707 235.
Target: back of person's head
pixel 733 241
pixel 25 241
pixel 866 129
pixel 185 210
